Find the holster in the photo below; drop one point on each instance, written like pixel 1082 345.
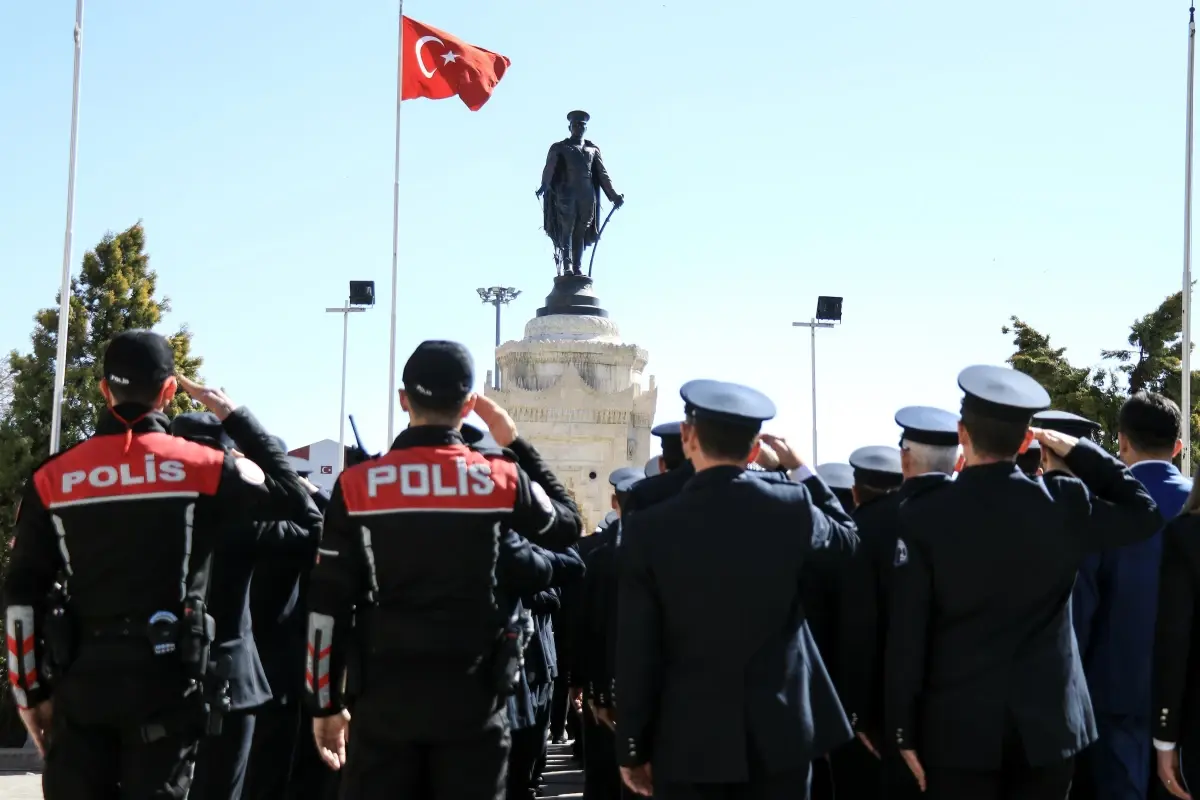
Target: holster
pixel 61 637
pixel 197 630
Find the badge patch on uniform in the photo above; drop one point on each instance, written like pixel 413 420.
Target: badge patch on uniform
pixel 250 472
pixel 901 553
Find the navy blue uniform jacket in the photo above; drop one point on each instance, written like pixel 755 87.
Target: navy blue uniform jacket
pixel 714 657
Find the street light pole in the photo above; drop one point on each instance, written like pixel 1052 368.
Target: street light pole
pixel 812 326
pixel 345 311
pixel 498 296
pixel 1185 388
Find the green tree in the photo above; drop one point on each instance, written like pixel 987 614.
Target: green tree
pixel 1153 361
pixel 1092 392
pixel 115 291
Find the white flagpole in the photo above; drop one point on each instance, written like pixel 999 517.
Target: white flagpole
pixel 64 303
pixel 392 398
pixel 1186 376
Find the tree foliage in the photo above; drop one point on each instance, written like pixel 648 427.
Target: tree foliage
pixel 1152 361
pixel 115 291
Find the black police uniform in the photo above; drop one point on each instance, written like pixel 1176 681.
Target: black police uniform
pixel 723 692
pixel 129 519
pixel 278 612
pixel 1177 647
pixel 221 762
pixel 592 633
pixel 983 675
pixel 417 531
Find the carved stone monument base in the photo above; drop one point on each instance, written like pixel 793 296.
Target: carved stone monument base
pixel 579 393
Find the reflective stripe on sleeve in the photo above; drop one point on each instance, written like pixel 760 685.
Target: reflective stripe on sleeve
pixel 22 659
pixel 320 647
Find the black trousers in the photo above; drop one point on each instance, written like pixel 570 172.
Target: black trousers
pixel 221 761
pixel 783 786
pixel 1015 780
pixel 471 766
pixel 272 751
pixel 856 773
pixel 101 762
pixel 601 777
pixel 528 747
pixel 311 778
pixel 896 780
pixel 558 709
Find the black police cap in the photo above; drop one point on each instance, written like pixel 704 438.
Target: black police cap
pixel 622 474
pixel 877 466
pixel 627 483
pixel 728 403
pixel 439 374
pixel 1066 422
pixel 138 359
pixel 1002 394
pixel 203 425
pixel 836 475
pixel 580 116
pixel 479 438
pixel 926 425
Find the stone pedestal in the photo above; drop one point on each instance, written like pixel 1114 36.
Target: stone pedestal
pixel 579 393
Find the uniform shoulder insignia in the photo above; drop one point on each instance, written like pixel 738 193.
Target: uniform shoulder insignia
pixel 250 472
pixel 901 554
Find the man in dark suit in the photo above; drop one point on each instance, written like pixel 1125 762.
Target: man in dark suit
pixel 1115 603
pixel 221 760
pixel 713 577
pixel 983 677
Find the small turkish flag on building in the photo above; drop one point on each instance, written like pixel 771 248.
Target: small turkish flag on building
pixel 438 65
pixel 326 470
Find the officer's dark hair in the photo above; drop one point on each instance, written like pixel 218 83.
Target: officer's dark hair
pixel 136 394
pixel 994 438
pixel 722 440
pixel 1151 422
pixel 672 452
pixel 1030 461
pixel 437 411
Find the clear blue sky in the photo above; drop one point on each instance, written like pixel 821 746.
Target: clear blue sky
pixel 941 165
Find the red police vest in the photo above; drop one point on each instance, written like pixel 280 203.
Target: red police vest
pixel 450 478
pixel 157 466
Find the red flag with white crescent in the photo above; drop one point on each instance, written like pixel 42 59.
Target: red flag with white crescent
pixel 438 65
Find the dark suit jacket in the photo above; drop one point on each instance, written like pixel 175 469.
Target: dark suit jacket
pixel 714 659
pixel 980 636
pixel 1176 689
pixel 1115 604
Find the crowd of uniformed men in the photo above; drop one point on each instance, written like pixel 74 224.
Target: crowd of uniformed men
pixel 997 608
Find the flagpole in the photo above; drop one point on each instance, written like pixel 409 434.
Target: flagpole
pixel 392 399
pixel 64 300
pixel 1186 376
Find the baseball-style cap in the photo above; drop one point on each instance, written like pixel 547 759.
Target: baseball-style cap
pixel 439 375
pixel 138 359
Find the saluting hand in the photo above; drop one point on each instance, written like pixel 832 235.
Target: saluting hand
pixel 499 423
pixel 214 400
pixel 1059 443
pixel 788 458
pixel 767 458
pixel 1170 774
pixel 914 766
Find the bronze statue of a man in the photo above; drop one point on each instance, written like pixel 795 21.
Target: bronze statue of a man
pixel 571 183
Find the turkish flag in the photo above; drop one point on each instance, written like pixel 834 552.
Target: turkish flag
pixel 438 65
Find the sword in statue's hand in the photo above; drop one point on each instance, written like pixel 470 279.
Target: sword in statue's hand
pixel 600 233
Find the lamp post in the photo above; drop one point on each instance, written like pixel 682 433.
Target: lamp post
pixel 360 298
pixel 829 312
pixel 498 296
pixel 1185 387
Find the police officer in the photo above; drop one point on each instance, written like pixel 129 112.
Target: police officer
pixel 674 470
pixel 278 611
pixel 840 480
pixel 128 520
pixel 416 533
pixel 842 598
pixel 722 691
pixel 981 600
pixel 222 759
pixel 591 636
